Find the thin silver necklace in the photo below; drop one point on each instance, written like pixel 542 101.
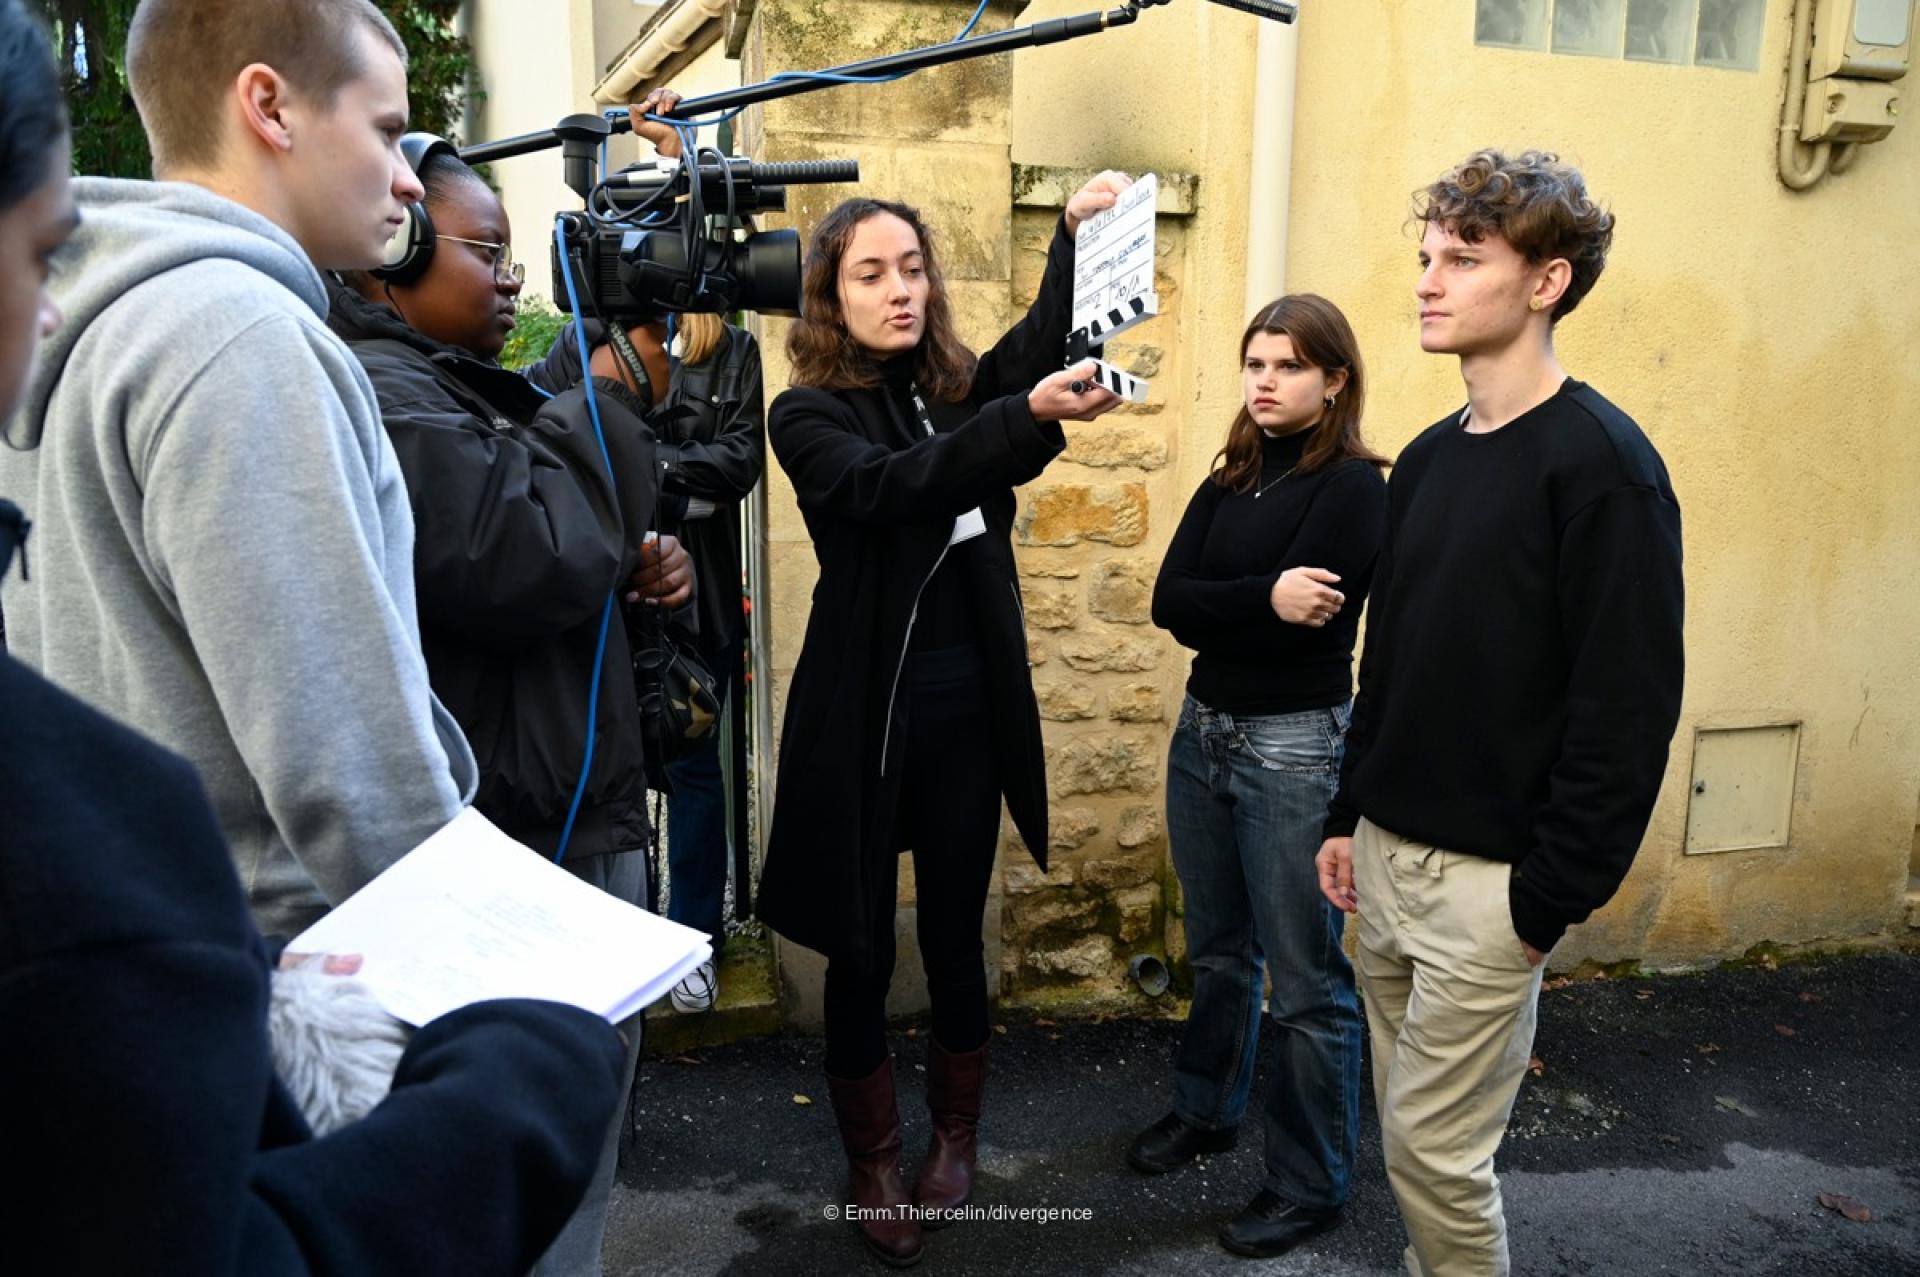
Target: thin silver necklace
pixel 1267 487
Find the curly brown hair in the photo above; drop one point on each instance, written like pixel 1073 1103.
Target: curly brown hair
pixel 824 353
pixel 1321 337
pixel 1534 202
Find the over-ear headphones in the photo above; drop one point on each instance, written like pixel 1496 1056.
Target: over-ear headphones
pixel 410 250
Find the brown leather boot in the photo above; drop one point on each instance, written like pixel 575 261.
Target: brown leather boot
pixel 870 1129
pixel 953 1095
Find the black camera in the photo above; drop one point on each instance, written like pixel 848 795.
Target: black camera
pixel 669 237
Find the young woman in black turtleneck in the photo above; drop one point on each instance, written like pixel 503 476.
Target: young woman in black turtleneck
pixel 1265 580
pixel 910 713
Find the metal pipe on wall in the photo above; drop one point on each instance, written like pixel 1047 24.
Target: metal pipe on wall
pixel 671 33
pixel 1795 174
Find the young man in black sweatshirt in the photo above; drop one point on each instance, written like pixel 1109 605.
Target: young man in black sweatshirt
pixel 1518 690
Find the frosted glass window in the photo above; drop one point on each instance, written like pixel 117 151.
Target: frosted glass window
pixel 1660 30
pixel 1587 26
pixel 1730 33
pixel 1510 24
pixel 1881 22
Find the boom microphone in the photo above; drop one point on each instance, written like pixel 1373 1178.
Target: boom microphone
pixel 1278 10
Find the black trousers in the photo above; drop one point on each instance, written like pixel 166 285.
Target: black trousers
pixel 949 817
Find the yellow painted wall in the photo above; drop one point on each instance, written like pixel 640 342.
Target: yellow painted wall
pixel 1769 344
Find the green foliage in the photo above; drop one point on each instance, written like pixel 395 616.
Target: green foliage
pixel 439 63
pixel 90 37
pixel 534 335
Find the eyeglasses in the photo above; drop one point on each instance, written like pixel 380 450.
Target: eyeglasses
pixel 505 269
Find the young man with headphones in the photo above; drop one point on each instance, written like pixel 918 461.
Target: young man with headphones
pixel 224 554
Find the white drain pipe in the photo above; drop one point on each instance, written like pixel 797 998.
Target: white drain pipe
pixel 1270 162
pixel 672 32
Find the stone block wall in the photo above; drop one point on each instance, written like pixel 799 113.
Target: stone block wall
pixel 1088 539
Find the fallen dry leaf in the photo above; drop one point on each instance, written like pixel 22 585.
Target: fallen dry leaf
pixel 1044 1023
pixel 913 1033
pixel 686 1059
pixel 1643 994
pixel 1810 997
pixel 1732 1105
pixel 801 1099
pixel 1841 1204
pixel 1558 982
pixel 1783 1030
pixel 1536 1065
pixel 999 1028
pixel 1707 1048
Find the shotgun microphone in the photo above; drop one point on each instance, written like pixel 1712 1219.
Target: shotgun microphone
pixel 1277 10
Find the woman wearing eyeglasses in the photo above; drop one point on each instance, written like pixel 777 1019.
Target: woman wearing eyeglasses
pixel 519 538
pixel 519 534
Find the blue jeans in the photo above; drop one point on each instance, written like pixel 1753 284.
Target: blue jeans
pixel 697 834
pixel 1245 801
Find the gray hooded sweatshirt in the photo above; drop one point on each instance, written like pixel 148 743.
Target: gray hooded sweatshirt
pixel 222 551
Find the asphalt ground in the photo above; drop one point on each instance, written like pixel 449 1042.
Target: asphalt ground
pixel 1677 1124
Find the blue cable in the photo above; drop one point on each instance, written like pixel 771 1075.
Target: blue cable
pixel 606 613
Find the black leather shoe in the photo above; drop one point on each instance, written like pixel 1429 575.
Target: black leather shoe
pixel 1170 1143
pixel 1271 1225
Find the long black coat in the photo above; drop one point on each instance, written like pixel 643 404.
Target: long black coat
pixel 879 499
pixel 519 538
pixel 145 1131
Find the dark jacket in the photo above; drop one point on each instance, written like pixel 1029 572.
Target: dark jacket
pixel 879 500
pixel 519 539
pixel 145 1131
pixel 713 447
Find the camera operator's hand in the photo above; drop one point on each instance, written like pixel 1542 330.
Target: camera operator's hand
pixel 666 141
pixel 1098 195
pixel 650 343
pixel 665 575
pixel 1055 399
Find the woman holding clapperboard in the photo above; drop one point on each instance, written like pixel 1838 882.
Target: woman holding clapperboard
pixel 1264 580
pixel 911 711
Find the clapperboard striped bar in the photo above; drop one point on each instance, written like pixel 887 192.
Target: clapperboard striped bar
pixel 1134 310
pixel 1126 385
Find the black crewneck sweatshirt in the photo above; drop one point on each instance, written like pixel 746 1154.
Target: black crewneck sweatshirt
pixel 1214 590
pixel 1522 673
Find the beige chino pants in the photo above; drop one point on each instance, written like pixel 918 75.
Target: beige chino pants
pixel 1451 1005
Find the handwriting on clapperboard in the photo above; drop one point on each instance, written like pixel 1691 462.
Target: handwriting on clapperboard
pixel 1113 281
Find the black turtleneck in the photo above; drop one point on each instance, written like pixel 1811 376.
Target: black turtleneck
pixel 1215 586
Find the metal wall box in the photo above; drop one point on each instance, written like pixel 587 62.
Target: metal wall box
pixel 1866 39
pixel 1742 789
